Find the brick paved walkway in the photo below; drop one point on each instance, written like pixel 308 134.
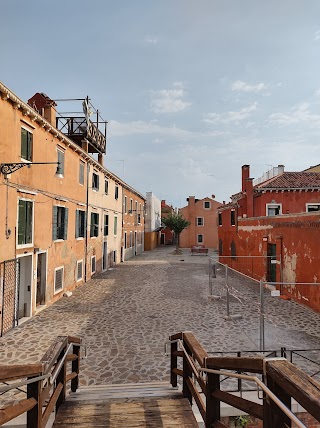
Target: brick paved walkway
pixel 125 315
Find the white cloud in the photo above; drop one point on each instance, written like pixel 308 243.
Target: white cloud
pixel 241 86
pixel 231 116
pixel 316 36
pixel 151 40
pixel 169 100
pixel 297 115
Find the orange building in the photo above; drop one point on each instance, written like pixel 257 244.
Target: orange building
pixel 133 223
pixel 167 235
pixel 203 230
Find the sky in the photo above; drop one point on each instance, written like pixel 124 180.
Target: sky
pixel 191 89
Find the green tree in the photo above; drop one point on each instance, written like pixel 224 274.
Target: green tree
pixel 177 224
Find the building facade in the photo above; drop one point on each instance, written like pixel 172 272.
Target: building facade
pixel 152 222
pixel 203 229
pixel 133 223
pixel 167 235
pixel 61 212
pixel 276 222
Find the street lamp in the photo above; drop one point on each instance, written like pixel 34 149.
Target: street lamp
pixel 9 168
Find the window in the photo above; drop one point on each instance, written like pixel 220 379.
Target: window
pixel 79 273
pixel 25 222
pixel 131 206
pixel 115 225
pixel 95 181
pixel 93 265
pixel 59 223
pixel 200 239
pixel 312 207
pixel 106 225
pixel 116 192
pixel 220 247
pixel 273 209
pixel 81 173
pixel 26 144
pixel 220 219
pixel 206 205
pixel 125 240
pixel 60 168
pixel 200 221
pixel 139 218
pixel 130 239
pixel 94 226
pixel 233 251
pixel 80 223
pixel 58 279
pixel 125 201
pixel 233 217
pixel 106 186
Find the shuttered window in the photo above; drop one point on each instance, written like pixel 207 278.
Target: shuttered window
pixel 94 226
pixel 80 223
pixel 116 192
pixel 106 186
pixel 59 223
pixel 115 226
pixel 106 225
pixel 60 169
pixel 25 225
pixel 26 144
pixel 95 181
pixel 81 173
pixel 58 279
pixel 79 270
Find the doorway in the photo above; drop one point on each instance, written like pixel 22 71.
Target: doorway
pixel 272 263
pixel 162 239
pixel 25 285
pixel 41 279
pixel 105 256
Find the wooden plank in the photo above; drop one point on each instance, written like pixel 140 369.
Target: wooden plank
pixel 71 376
pixel 75 365
pixel 176 336
pixel 51 404
pixel 296 384
pixel 18 371
pixel 74 339
pixel 195 348
pixel 197 398
pixel 240 403
pixel 50 357
pixel 178 353
pixel 178 372
pixel 34 414
pixel 71 357
pixel 212 404
pixel 173 364
pixel 243 364
pixel 16 410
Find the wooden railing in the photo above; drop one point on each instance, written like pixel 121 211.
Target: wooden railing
pixel 281 381
pixel 46 382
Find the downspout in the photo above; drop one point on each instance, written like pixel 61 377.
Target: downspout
pixel 86 225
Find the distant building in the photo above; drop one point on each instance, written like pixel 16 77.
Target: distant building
pixel 152 222
pixel 203 230
pixel 277 218
pixel 133 223
pixel 167 234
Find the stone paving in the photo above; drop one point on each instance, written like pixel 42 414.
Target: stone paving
pixel 126 314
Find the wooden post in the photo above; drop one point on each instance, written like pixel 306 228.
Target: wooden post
pixel 212 404
pixel 61 378
pixel 174 364
pixel 34 415
pixel 187 373
pixel 75 366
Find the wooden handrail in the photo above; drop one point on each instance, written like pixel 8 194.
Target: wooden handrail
pixel 284 380
pixel 39 375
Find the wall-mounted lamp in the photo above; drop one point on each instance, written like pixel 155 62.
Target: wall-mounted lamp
pixel 9 168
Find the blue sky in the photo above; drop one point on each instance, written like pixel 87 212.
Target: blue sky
pixel 191 89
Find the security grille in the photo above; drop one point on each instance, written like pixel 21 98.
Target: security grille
pixel 58 279
pixel 79 270
pixel 9 295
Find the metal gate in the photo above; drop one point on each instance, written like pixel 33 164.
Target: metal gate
pixel 9 294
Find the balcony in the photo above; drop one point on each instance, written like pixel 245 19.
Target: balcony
pixel 83 132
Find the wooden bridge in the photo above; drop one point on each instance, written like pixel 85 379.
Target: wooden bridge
pixel 157 405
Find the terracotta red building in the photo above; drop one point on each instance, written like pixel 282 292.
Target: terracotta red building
pixel 277 218
pixel 167 235
pixel 203 230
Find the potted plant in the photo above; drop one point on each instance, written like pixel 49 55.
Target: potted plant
pixel 240 421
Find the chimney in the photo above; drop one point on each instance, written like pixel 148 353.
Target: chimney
pixel 249 191
pixel 44 106
pixel 280 169
pixel 245 176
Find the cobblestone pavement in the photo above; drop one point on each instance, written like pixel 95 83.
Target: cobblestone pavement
pixel 126 314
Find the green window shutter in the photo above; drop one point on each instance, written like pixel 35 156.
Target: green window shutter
pixel 22 222
pixel 77 224
pixel 29 212
pixel 92 225
pixel 30 141
pixel 24 143
pixel 65 226
pixel 54 223
pixel 97 182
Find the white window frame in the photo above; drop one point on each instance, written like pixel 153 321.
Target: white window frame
pixel 312 204
pixel 204 205
pixel 61 150
pixel 96 189
pixel 77 279
pixel 54 280
pixel 202 221
pixel 106 184
pixel 17 224
pixel 95 264
pixel 199 242
pixel 31 132
pixel 81 164
pixel 273 205
pixel 79 238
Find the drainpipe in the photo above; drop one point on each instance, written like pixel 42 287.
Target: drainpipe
pixel 86 225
